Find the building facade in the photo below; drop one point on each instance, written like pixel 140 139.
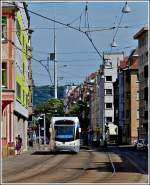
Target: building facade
pixel 142 37
pixel 21 73
pixel 128 98
pixel 8 85
pixel 15 44
pixel 122 133
pixel 108 72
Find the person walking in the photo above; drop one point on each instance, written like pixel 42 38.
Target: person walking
pixel 18 144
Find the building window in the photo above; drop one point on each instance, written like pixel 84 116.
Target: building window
pixel 23 40
pixel 108 78
pixel 142 59
pixel 146 93
pixel 141 112
pixel 146 71
pixel 23 66
pixel 108 119
pixel 4 28
pixel 128 95
pixel 108 105
pixel 108 91
pixel 18 91
pixel 23 97
pixel 18 28
pixel 141 95
pixel 27 100
pixel 4 74
pixel 26 51
pixel 137 95
pixel 137 116
pixel 141 76
pixel 146 114
pixel 127 113
pixel 146 56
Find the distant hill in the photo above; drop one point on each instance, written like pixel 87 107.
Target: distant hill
pixel 42 93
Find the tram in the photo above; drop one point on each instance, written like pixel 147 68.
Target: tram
pixel 65 134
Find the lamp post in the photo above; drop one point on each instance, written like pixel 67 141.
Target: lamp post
pixel 39 133
pixel 43 128
pixel 103 125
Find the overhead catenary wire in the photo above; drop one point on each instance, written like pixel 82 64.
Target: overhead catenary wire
pixel 40 61
pixel 61 23
pixel 117 29
pixel 77 18
pixel 95 27
pixel 77 29
pixel 118 26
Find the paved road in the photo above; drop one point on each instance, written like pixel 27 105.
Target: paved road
pixel 88 166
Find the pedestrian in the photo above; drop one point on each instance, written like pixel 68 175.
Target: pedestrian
pixel 18 144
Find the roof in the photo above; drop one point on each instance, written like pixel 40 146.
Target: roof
pixel 123 63
pixel 139 33
pixel 9 7
pixel 113 53
pixel 71 118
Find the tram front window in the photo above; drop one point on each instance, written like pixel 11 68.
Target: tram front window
pixel 64 133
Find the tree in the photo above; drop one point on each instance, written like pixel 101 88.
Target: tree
pixel 80 109
pixel 50 108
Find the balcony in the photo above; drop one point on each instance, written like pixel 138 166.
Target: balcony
pixel 4 51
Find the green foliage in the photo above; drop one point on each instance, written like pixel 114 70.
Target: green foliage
pixel 80 109
pixel 74 109
pixel 51 107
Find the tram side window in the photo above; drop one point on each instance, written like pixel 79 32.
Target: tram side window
pixel 77 134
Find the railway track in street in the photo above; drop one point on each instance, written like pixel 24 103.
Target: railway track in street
pixel 129 164
pixel 30 173
pixel 90 165
pixel 82 171
pixel 28 166
pixel 106 175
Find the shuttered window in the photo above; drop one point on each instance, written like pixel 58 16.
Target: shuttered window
pixel 4 27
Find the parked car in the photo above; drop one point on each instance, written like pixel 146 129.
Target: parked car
pixel 145 145
pixel 140 144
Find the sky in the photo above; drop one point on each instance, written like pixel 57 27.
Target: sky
pixel 75 55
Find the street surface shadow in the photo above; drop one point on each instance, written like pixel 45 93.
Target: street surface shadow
pixel 84 147
pixel 106 167
pixel 52 152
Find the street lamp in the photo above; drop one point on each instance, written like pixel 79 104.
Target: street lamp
pixel 113 44
pixel 126 8
pixel 44 128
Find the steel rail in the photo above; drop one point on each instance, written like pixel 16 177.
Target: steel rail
pixel 81 172
pixel 108 177
pixel 16 171
pixel 51 169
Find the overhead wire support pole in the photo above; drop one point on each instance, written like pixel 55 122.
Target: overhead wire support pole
pixel 55 64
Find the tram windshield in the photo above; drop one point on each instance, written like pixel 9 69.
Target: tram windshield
pixel 64 133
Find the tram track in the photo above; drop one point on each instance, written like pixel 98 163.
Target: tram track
pixel 113 169
pixel 115 177
pixel 33 175
pixel 28 167
pixel 110 165
pixel 81 172
pixel 86 167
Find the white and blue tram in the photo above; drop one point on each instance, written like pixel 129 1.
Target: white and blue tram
pixel 65 134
